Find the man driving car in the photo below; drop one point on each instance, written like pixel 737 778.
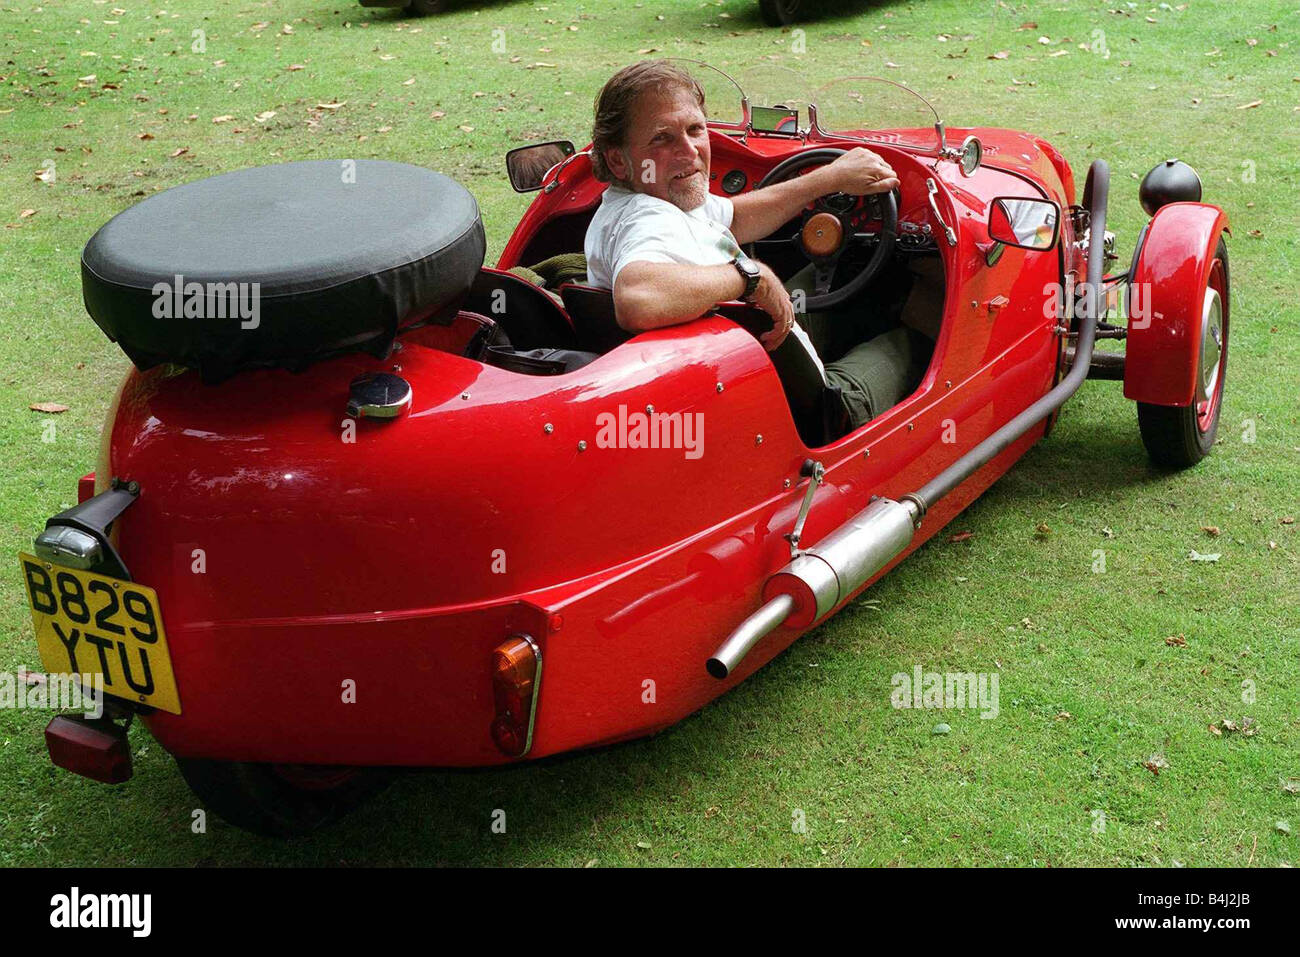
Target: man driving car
pixel 670 250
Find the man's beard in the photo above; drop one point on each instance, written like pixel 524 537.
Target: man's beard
pixel 690 193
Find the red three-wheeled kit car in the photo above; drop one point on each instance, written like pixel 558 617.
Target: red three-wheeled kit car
pixel 364 503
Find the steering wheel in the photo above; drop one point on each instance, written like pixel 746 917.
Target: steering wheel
pixel 828 230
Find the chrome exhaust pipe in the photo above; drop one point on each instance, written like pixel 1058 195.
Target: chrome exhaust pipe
pixel 745 637
pixel 818 579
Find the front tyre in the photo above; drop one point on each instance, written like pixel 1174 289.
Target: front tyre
pixel 778 13
pixel 280 800
pixel 1180 436
pixel 425 8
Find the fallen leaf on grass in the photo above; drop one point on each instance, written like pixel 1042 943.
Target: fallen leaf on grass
pixel 1282 827
pixel 1211 530
pixel 1155 764
pixel 1196 556
pixel 1176 641
pixel 1286 520
pixel 961 536
pixel 1251 105
pixel 1247 727
pixel 47 407
pixel 1042 530
pixel 223 118
pixel 27 214
pixel 330 106
pixel 144 136
pixel 437 115
pixel 1063 716
pixel 264 116
pixel 179 152
pixel 294 66
pixel 1000 55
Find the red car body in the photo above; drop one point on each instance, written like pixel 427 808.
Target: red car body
pixel 380 562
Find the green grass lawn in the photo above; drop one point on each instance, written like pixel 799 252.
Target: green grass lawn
pixel 116 96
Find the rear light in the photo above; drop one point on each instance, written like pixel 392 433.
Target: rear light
pixel 92 747
pixel 516 675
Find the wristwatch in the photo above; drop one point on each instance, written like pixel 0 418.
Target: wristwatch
pixel 749 270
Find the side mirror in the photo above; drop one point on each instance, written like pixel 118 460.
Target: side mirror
pixel 527 166
pixel 1025 223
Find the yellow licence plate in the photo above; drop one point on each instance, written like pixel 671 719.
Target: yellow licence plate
pixel 91 624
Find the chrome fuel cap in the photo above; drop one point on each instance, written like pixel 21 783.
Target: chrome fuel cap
pixel 378 395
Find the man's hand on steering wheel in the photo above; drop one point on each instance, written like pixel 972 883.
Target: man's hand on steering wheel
pixel 771 296
pixel 829 231
pixel 859 172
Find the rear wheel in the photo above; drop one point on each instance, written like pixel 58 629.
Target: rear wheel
pixel 423 8
pixel 1180 436
pixel 778 13
pixel 280 800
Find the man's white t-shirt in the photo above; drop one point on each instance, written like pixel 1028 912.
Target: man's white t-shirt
pixel 635 227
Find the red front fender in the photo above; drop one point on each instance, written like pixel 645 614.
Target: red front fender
pixel 1166 294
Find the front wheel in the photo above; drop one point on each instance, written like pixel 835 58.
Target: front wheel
pixel 778 13
pixel 280 800
pixel 1180 436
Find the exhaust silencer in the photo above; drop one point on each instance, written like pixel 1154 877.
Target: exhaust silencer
pixel 818 579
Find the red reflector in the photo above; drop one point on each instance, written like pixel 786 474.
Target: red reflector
pixel 516 673
pixel 94 748
pixel 86 487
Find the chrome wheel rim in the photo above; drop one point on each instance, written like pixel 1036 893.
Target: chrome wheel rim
pixel 1211 342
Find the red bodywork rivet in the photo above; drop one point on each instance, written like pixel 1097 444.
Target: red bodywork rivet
pixel 557 622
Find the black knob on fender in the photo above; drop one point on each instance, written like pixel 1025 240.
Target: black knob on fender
pixel 1173 181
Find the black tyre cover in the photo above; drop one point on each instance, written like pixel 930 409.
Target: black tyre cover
pixel 343 254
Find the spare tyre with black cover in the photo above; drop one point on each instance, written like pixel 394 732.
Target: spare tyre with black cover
pixel 279 266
